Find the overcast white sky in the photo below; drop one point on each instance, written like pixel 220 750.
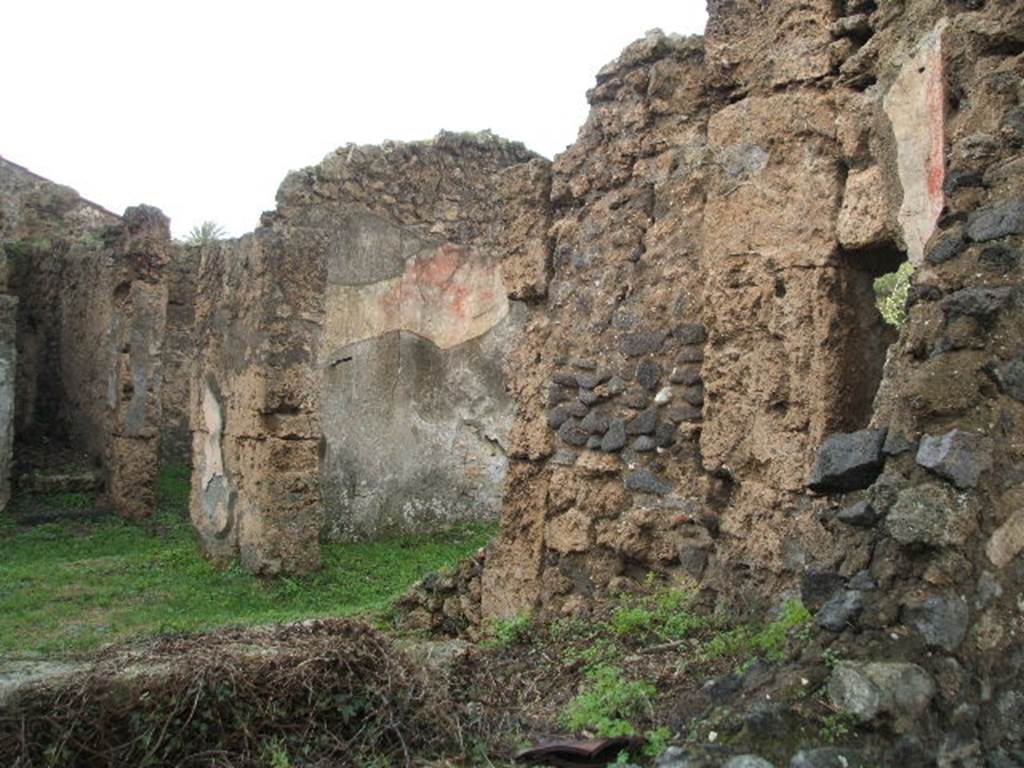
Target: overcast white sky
pixel 201 107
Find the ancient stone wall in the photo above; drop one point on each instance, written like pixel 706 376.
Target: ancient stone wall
pixel 89 329
pixel 179 353
pixel 351 381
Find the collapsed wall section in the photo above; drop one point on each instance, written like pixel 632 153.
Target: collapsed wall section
pixel 90 324
pixel 351 381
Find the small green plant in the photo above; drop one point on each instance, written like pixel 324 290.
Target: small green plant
pixel 668 614
pixel 276 755
pixel 207 232
pixel 656 741
pixel 608 702
pixel 768 641
pixel 504 633
pixel 836 726
pixel 891 293
pixel 830 657
pixel 599 651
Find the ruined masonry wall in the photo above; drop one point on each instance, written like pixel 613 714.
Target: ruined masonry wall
pixel 90 318
pixel 351 380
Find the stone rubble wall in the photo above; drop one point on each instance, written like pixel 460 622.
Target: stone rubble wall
pixel 817 145
pixel 89 329
pixel 352 373
pixel 179 352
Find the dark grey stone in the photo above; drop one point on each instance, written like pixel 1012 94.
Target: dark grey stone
pixel 587 396
pixel 615 386
pixel 582 363
pixel 1000 219
pixel 981 303
pixel 942 621
pixel 957 180
pixel 988 591
pixel 946 248
pixel 644 444
pixel 644 423
pixel 643 481
pixel 572 433
pixel 848 461
pixel 958 456
pixel 841 610
pixel 593 442
pixel 648 374
pixel 591 380
pixel 558 416
pixel 690 333
pixel 682 412
pixel 826 757
pixel 999 258
pixel 565 378
pixel 637 400
pixel 665 434
pixel 817 587
pixel 1010 377
pixel 615 438
pixel 693 395
pixel 862 581
pixel 861 514
pixel 896 443
pixel 923 292
pixel 558 394
pixel 685 374
pixel 693 560
pixel 595 423
pixel 689 355
pixel 642 343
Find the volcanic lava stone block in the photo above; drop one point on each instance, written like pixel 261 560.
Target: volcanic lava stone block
pixel 848 461
pixel 817 587
pixel 648 374
pixel 861 514
pixel 958 456
pixel 644 443
pixel 1010 377
pixel 689 355
pixel 981 303
pixel 591 380
pixel 690 333
pixel 643 481
pixel 999 258
pixel 595 423
pixel 642 343
pixel 840 611
pixel 644 423
pixel 685 374
pixel 997 220
pixel 615 438
pixel 564 378
pixel 572 433
pixel 682 412
pixel 942 621
pixel 945 249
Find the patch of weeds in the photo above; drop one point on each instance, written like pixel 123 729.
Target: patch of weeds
pixel 67 500
pixel 836 726
pixel 768 641
pixel 656 741
pixel 570 628
pixel 608 703
pixel 667 614
pixel 600 651
pixel 504 633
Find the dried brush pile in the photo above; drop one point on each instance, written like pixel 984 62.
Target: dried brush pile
pixel 327 693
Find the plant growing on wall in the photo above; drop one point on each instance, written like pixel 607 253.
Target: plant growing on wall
pixel 891 294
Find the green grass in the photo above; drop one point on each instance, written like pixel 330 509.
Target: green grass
pixel 72 586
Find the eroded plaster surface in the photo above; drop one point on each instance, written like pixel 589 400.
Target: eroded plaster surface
pixel 915 107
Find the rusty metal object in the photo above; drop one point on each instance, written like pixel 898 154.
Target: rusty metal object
pixel 590 753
